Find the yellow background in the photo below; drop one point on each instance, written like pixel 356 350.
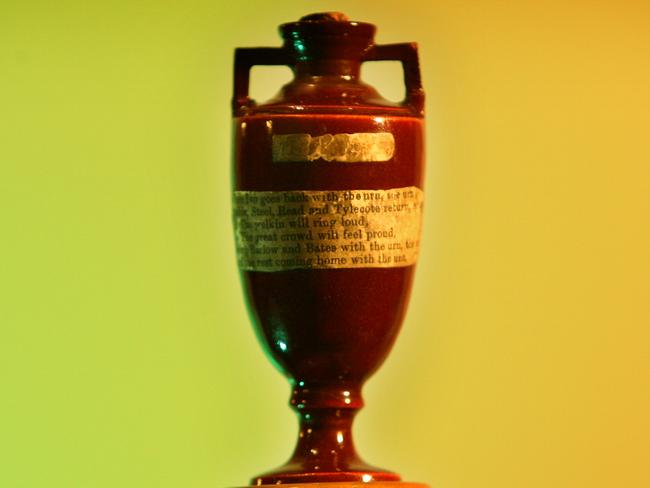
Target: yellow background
pixel 126 356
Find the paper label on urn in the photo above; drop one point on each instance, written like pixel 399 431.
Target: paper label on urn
pixel 345 148
pixel 283 230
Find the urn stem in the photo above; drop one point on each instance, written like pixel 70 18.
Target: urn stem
pixel 325 439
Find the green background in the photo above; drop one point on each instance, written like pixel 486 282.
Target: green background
pixel 126 355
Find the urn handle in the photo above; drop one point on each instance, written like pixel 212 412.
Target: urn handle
pixel 245 59
pixel 407 54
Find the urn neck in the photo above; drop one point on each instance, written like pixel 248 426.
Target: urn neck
pixel 339 69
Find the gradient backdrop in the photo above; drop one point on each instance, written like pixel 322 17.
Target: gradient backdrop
pixel 126 356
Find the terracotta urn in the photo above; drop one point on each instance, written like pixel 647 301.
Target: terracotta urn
pixel 327 204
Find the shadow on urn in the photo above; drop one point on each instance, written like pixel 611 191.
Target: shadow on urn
pixel 326 210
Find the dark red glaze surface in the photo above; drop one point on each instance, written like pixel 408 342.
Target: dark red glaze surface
pixel 328 330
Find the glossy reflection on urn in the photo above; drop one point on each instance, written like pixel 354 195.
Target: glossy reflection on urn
pixel 327 205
